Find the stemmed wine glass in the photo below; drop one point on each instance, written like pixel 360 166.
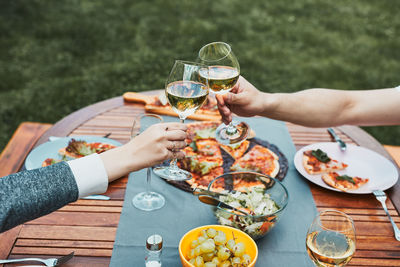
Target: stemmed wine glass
pixel 331 239
pixel 186 91
pixel 223 73
pixel 147 200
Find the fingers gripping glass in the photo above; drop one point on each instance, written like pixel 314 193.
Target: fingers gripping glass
pixel 223 73
pixel 331 239
pixel 147 200
pixel 186 91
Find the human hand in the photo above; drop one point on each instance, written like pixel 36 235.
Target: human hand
pixel 244 100
pixel 156 144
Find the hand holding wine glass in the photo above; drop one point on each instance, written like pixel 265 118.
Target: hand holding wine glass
pixel 186 91
pixel 223 73
pixel 331 239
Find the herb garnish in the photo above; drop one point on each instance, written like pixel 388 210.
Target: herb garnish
pixel 346 178
pixel 320 155
pixel 193 146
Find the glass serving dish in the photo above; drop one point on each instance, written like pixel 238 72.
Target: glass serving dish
pixel 263 197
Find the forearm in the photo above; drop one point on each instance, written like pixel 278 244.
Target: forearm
pixel 325 107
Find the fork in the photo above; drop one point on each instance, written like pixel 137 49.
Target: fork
pixel 48 262
pixel 381 197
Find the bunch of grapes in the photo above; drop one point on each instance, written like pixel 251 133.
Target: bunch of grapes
pixel 212 249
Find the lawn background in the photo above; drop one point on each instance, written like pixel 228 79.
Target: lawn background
pixel 59 56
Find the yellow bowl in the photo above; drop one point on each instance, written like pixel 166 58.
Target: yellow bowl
pixel 251 246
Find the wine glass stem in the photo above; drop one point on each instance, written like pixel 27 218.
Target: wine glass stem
pixel 231 129
pixel 173 165
pixel 148 181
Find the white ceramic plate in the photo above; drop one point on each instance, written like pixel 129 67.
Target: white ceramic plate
pixel 50 149
pixel 362 162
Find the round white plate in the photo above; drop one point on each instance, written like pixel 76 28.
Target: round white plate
pixel 50 149
pixel 361 161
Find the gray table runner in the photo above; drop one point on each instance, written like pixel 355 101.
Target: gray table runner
pixel 283 246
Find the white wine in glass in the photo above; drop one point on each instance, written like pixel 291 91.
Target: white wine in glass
pixel 330 239
pixel 186 91
pixel 223 73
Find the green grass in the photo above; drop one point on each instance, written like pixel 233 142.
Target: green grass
pixel 59 56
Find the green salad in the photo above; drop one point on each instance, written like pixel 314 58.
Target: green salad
pixel 255 202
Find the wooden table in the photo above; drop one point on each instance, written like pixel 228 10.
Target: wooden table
pixel 88 227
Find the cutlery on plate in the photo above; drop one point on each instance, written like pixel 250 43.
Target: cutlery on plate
pixel 342 144
pixel 48 262
pixel 97 197
pixel 381 197
pixel 215 202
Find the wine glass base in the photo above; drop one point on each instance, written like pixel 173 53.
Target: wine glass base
pixel 225 138
pixel 171 174
pixel 148 201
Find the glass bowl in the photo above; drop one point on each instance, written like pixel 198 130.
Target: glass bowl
pixel 256 185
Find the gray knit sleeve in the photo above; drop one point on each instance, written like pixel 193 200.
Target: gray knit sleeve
pixel 30 194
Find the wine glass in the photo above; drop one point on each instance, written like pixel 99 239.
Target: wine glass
pixel 186 91
pixel 331 239
pixel 223 73
pixel 147 200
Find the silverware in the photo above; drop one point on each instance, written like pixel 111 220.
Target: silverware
pixel 215 202
pixel 51 262
pixel 381 197
pixel 200 191
pixel 97 197
pixel 106 135
pixel 342 144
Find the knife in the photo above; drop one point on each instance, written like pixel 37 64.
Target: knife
pixel 342 144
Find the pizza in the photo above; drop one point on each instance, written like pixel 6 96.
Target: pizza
pixel 78 148
pixel 318 162
pixel 236 151
pixel 258 159
pixel 207 159
pixel 343 182
pixel 159 104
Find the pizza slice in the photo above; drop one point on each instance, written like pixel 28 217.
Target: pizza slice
pixel 343 182
pixel 202 181
pixel 201 157
pixel 79 148
pixel 317 162
pixel 50 161
pixel 238 150
pixel 259 159
pixel 201 130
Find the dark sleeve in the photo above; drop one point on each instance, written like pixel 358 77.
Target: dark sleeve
pixel 27 195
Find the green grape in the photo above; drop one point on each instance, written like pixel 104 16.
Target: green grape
pixel 208 256
pixel 203 233
pixel 210 264
pixel 220 239
pixel 199 262
pixel 191 254
pixel 236 260
pixel 216 261
pixel 211 232
pixel 223 254
pixel 238 249
pixel 230 244
pixel 207 247
pixel 225 264
pixel 246 259
pixel 201 239
pixel 194 243
pixel 197 251
pixel 192 261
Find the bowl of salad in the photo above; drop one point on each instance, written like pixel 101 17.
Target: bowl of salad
pixel 262 197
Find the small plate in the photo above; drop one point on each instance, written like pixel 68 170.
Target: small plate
pixel 362 162
pixel 50 149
